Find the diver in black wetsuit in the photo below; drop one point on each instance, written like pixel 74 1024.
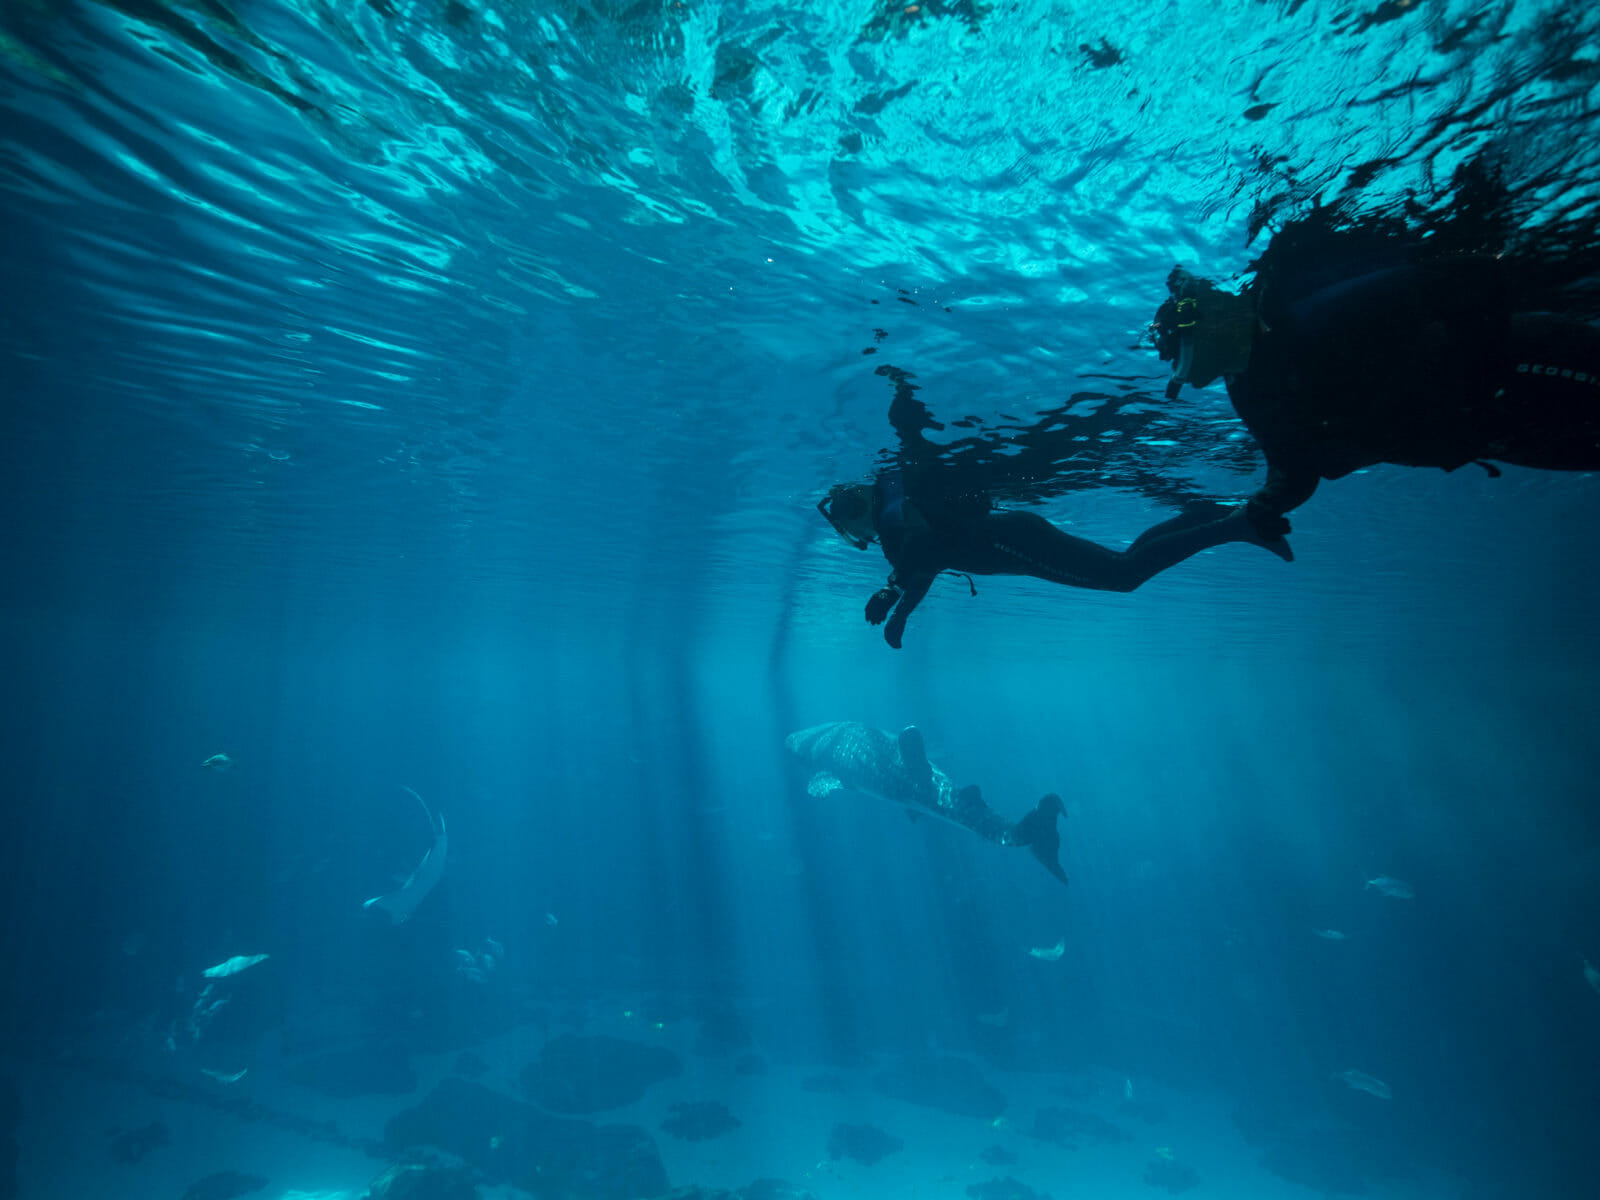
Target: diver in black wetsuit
pixel 932 529
pixel 933 510
pixel 1341 361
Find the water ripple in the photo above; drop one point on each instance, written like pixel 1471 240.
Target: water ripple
pixel 411 247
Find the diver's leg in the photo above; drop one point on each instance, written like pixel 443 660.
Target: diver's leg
pixel 1024 543
pixel 1169 543
pixel 1547 414
pixel 1199 513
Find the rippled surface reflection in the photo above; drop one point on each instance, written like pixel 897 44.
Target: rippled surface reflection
pixel 513 289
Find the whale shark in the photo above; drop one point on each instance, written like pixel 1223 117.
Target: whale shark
pixel 850 756
pixel 401 904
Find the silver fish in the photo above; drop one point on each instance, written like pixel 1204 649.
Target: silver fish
pixel 1049 953
pixel 239 962
pixel 1362 1082
pixel 1390 886
pixel 1330 935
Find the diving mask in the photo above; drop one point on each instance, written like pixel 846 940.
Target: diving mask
pixel 848 508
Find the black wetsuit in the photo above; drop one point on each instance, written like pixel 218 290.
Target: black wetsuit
pixel 1415 363
pixel 926 529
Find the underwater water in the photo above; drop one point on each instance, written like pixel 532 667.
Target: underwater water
pixel 430 401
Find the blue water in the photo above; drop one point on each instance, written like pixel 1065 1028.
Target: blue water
pixel 437 395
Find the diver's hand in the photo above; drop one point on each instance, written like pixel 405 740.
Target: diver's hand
pixel 896 628
pixel 1267 522
pixel 882 601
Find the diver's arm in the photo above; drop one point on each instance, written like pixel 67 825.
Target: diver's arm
pixel 915 588
pixel 1286 489
pixel 901 593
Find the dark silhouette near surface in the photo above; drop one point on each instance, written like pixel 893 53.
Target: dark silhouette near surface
pixel 932 509
pixel 1423 342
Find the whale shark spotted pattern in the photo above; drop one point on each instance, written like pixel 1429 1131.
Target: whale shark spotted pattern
pixel 850 756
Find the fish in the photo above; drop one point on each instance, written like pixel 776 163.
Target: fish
pixel 232 966
pixel 1390 886
pixel 1362 1082
pixel 1590 975
pixel 224 1077
pixel 399 905
pixel 850 756
pixel 995 1020
pixel 218 762
pixel 1049 953
pixel 201 1014
pixel 1330 935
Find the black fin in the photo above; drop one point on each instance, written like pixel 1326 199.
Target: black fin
pixel 914 755
pixel 1037 831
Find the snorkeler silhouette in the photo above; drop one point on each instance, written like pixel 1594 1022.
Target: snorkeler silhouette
pixel 1360 341
pixel 933 513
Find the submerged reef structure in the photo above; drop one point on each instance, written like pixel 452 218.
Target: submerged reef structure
pixel 866 1144
pixel 1005 1189
pixel 224 1185
pixel 761 1189
pixel 579 1075
pixel 700 1121
pixel 1164 1172
pixel 942 1081
pixel 131 1145
pixel 1070 1127
pixel 512 1142
pixel 416 1180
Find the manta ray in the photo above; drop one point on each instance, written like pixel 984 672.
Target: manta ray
pixel 850 756
pixel 399 906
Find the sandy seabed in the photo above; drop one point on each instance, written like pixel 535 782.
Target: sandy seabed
pixel 71 1115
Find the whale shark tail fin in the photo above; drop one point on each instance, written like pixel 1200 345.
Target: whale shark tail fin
pixel 1037 831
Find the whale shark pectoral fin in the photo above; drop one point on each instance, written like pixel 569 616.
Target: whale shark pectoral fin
pixel 914 756
pixel 823 784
